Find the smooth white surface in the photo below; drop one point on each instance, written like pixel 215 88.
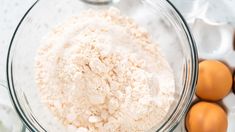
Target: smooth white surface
pixel 10 12
pixel 210 11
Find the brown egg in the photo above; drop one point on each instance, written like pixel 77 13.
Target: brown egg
pixel 214 80
pixel 206 117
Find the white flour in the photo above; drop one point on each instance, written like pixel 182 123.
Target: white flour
pixel 100 71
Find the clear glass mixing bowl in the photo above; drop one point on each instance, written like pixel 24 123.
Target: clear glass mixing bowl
pixel 159 17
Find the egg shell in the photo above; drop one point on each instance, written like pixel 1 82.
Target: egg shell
pixel 214 81
pixel 206 117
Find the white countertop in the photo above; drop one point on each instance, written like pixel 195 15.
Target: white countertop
pixel 11 11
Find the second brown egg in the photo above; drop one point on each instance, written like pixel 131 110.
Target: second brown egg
pixel 214 80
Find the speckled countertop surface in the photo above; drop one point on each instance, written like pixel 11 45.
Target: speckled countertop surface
pixel 11 11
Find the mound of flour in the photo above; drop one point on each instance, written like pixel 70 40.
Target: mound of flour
pixel 100 71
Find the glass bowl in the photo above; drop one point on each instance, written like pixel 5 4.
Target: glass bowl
pixel 161 19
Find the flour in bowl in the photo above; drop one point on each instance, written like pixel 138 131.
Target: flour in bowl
pixel 100 71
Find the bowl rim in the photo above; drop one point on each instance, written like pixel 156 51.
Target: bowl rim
pixel 194 74
pixel 169 127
